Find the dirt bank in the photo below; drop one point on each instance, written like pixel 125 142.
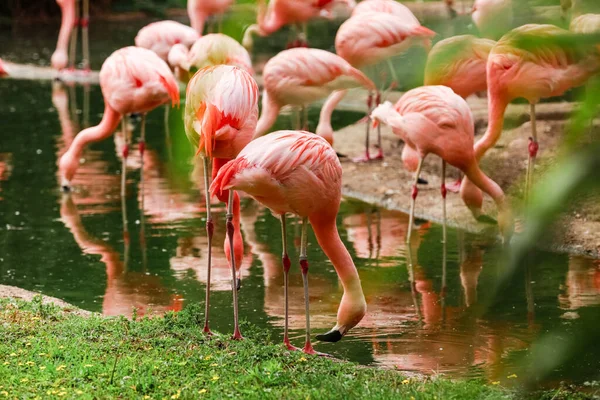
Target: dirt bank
pixel 388 184
pixel 27 295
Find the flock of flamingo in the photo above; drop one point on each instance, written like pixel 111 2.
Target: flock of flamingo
pixel 297 172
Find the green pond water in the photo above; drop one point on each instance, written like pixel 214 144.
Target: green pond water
pixel 445 314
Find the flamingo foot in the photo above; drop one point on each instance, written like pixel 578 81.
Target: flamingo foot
pixel 207 330
pixel 379 155
pixel 289 346
pixel 363 159
pixel 237 335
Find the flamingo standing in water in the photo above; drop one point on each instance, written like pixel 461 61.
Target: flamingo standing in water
pixel 200 10
pixel 370 38
pixel 209 50
pixel 533 62
pixel 221 111
pixel 434 119
pixel 67 36
pixel 299 173
pixel 300 76
pixel 161 36
pixel 288 12
pixel 133 80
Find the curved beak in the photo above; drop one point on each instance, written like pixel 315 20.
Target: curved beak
pixel 65 185
pixel 334 335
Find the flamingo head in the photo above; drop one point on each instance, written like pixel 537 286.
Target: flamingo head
pixel 67 167
pixel 59 60
pixel 351 311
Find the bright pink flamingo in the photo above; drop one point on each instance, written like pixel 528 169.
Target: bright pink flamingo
pixel 373 37
pixel 287 12
pixel 3 71
pixel 133 80
pixel 209 50
pixel 67 36
pixel 532 62
pixel 220 117
pixel 299 173
pixel 434 119
pixel 301 76
pixel 493 18
pixel 459 62
pixel 200 10
pixel 161 36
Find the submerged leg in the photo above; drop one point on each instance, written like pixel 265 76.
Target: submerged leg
pixel 444 192
pixel 304 267
pixel 415 192
pixel 209 231
pixel 285 260
pixel 532 150
pixel 85 36
pixel 237 335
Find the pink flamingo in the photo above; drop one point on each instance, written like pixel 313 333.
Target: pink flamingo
pixel 493 18
pixel 386 6
pixel 67 36
pixel 288 12
pixel 161 36
pixel 299 173
pixel 368 39
pixel 200 10
pixel 3 71
pixel 209 50
pixel 586 24
pixel 434 119
pixel 532 62
pixel 220 117
pixel 459 62
pixel 300 76
pixel 133 80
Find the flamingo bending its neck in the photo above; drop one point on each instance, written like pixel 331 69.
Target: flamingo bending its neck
pixel 200 10
pixel 434 119
pixel 301 76
pixel 299 173
pixel 221 111
pixel 161 36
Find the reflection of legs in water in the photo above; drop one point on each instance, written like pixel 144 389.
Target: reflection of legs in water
pixel 443 289
pixel 124 179
pixel 73 42
pixel 86 106
pixel 168 133
pixel 142 193
pixel 529 293
pixel 73 104
pixel 84 22
pixel 378 237
pixel 369 234
pixel 411 280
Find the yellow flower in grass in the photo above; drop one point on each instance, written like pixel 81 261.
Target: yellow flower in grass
pixel 496 383
pixel 42 367
pixel 201 391
pixel 214 365
pixel 207 358
pixel 6 362
pixel 61 367
pixel 406 381
pixel 13 354
pixel 79 391
pixel 62 393
pixel 24 380
pixel 88 365
pixel 513 376
pixel 215 378
pixel 30 363
pixel 302 359
pixel 41 354
pixel 61 347
pixel 4 393
pixel 176 395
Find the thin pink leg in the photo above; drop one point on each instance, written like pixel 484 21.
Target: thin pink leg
pixel 285 259
pixel 210 228
pixel 367 157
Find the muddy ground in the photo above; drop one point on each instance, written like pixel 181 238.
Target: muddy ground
pixel 388 184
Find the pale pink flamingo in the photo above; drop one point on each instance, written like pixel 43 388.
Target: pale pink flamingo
pixel 301 76
pixel 434 119
pixel 586 24
pixel 299 173
pixel 67 37
pixel 133 80
pixel 161 36
pixel 373 37
pixel 208 51
pixel 532 62
pixel 386 6
pixel 200 10
pixel 493 18
pixel 459 62
pixel 288 12
pixel 221 111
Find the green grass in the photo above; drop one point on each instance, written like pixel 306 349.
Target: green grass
pixel 46 352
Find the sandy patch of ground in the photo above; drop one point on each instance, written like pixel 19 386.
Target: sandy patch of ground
pixel 27 295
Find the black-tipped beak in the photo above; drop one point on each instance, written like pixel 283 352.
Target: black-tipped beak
pixel 66 189
pixel 238 284
pixel 332 336
pixel 340 155
pixel 486 219
pixel 422 181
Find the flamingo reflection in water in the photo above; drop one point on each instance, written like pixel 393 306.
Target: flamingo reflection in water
pixel 582 285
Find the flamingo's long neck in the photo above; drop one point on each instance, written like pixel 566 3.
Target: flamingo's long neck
pixel 268 22
pixel 324 129
pixel 197 17
pixel 328 237
pixel 110 121
pixel 497 107
pixel 268 115
pixel 238 241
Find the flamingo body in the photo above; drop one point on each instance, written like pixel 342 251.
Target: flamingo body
pixel 161 36
pixel 493 17
pixel 300 76
pixel 388 7
pixel 459 62
pixel 370 38
pixel 586 24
